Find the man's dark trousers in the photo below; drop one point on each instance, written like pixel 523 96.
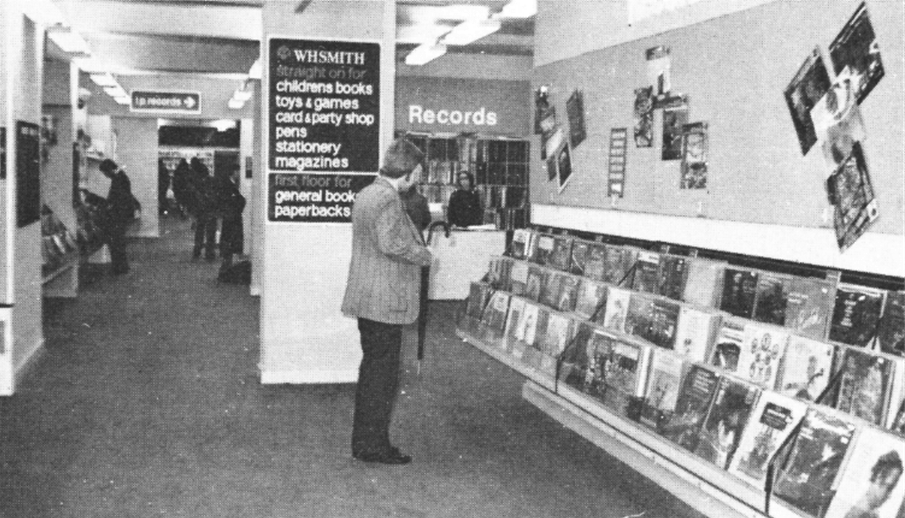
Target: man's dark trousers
pixel 378 380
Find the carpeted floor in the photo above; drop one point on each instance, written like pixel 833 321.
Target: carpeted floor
pixel 147 403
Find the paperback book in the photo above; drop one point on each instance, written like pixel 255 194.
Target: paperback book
pixel 518 278
pixel 891 335
pixel 871 482
pixel 806 368
pixel 671 276
pixel 729 344
pixel 494 317
pixel 560 257
pixel 692 405
pixel 591 300
pixel 810 306
pixel 550 288
pixel 556 338
pixel 537 277
pixel 617 303
pixel 856 314
pixel 864 385
pixel 595 261
pixel 568 292
pixel 666 373
pixel 519 249
pixel 726 420
pixel 576 370
pixel 739 292
pixel 534 338
pixel 619 265
pixel 639 317
pixel 696 331
pixel 774 418
pixel 525 330
pixel 516 311
pixel 625 375
pixel 772 298
pixel 664 318
pixel 544 249
pixel 579 257
pixel 646 277
pixel 587 376
pixel 805 480
pixel 703 282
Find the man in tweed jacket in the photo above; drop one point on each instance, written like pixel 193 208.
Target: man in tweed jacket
pixel 383 293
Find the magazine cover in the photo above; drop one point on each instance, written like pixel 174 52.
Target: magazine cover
pixel 695 332
pixel 864 386
pixel 698 389
pixel 703 282
pixel 550 288
pixel 647 275
pixel 810 306
pixel 852 195
pixel 763 348
pixel 773 419
pixel 640 314
pixel 671 281
pixel 625 375
pixel 694 156
pixel 562 253
pixel 537 276
pixel 575 113
pixel 618 262
pixel 675 116
pixel 578 257
pixel 806 368
pixel 595 262
pixel 591 300
pixel 644 117
pixel 543 250
pixel 871 483
pixel 808 86
pixel 891 335
pixel 617 302
pixel 772 298
pixel 568 292
pixel 856 314
pixel 805 479
pixel 664 318
pixel 739 292
pixel 662 393
pixel 856 54
pixel 726 421
pixel 729 344
pixel 518 278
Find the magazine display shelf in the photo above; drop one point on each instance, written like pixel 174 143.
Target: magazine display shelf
pixel 708 489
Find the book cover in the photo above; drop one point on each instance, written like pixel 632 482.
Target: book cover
pixel 568 292
pixel 695 332
pixel 662 393
pixel 579 257
pixel 518 278
pixel 671 282
pixel 805 480
pixel 595 262
pixel 617 302
pixel 855 54
pixel 806 368
pixel 729 343
pixel 810 306
pixel 625 374
pixel 772 297
pixel 739 292
pixel 694 399
pixel 591 300
pixel 647 275
pixel 640 315
pixel 763 347
pixel 544 249
pixel 550 288
pixel 537 276
pixel 856 314
pixel 864 385
pixel 772 421
pixel 871 483
pixel 664 318
pixel 726 421
pixel 560 257
pixel 618 265
pixel 891 334
pixel 703 282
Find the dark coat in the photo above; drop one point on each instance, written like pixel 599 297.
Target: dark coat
pixel 465 209
pixel 230 204
pixel 120 202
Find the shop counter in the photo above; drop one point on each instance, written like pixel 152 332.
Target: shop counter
pixel 460 259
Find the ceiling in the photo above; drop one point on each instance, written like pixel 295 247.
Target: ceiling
pixel 221 37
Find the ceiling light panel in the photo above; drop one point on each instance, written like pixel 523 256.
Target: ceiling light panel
pixel 425 53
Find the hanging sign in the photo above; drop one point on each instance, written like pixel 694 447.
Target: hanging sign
pixel 165 101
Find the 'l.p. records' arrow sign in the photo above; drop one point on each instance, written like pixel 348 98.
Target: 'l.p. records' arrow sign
pixel 165 101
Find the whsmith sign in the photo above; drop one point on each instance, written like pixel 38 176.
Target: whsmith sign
pixel 165 101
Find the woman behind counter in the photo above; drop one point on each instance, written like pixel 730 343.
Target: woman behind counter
pixel 464 205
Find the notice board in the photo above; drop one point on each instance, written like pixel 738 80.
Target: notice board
pixel 323 124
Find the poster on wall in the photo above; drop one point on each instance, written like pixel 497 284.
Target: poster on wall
pixel 644 117
pixel 575 112
pixel 617 161
pixel 856 54
pixel 28 173
pixel 852 195
pixel 694 156
pixel 563 166
pixel 809 85
pixel 675 115
pixel 658 70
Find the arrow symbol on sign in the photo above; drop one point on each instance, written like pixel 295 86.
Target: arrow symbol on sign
pixel 189 102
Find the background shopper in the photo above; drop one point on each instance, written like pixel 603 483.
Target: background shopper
pixel 464 204
pixel 121 207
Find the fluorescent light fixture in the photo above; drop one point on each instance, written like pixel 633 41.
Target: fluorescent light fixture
pixel 425 53
pixel 115 91
pixel 123 99
pixel 255 71
pixel 242 95
pixel 471 31
pixel 518 9
pixel 235 104
pixel 69 41
pixel 105 79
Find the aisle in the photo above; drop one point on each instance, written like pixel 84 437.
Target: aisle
pixel 147 403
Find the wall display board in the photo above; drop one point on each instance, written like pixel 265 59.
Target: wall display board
pixel 165 102
pixel 322 118
pixel 28 173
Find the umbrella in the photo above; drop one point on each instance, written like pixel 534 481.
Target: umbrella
pixel 425 283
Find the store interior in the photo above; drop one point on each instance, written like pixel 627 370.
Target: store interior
pixel 706 167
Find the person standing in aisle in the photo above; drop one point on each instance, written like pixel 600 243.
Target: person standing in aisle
pixel 464 204
pixel 231 203
pixel 181 180
pixel 121 208
pixel 163 185
pixel 382 293
pixel 205 211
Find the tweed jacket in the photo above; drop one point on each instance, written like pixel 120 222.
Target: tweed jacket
pixel 387 255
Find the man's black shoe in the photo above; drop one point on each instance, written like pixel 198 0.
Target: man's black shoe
pixel 394 456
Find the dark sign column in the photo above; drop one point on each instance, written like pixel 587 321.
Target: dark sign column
pixel 323 126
